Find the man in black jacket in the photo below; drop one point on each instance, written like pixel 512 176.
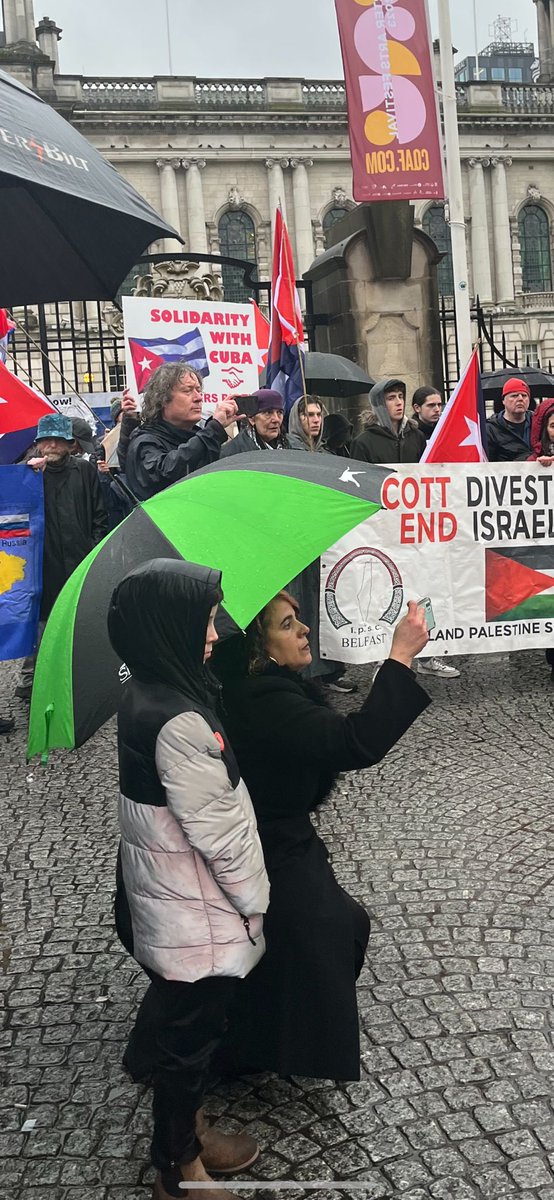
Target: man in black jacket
pixel 75 518
pixel 509 432
pixel 170 442
pixel 386 434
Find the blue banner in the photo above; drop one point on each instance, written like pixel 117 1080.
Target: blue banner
pixel 21 548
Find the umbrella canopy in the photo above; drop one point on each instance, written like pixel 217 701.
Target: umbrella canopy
pixel 258 518
pixel 540 383
pixel 71 227
pixel 334 375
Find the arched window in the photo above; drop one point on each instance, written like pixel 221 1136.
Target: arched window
pixel 434 225
pixel 333 215
pixel 237 239
pixel 536 259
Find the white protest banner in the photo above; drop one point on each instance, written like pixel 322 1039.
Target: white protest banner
pixel 218 340
pixel 72 406
pixel 476 539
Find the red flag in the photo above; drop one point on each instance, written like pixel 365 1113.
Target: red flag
pixel 284 370
pixel 459 435
pixel 263 329
pixel 20 406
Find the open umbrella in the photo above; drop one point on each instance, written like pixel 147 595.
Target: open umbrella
pixel 540 383
pixel 334 375
pixel 71 227
pixel 258 518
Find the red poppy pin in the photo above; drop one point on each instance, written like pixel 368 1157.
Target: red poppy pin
pixel 219 741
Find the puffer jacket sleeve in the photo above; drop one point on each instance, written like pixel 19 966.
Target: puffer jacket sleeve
pixel 217 819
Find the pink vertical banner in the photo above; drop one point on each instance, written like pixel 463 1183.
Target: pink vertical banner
pixel 393 117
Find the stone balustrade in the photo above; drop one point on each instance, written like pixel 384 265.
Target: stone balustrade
pixel 276 94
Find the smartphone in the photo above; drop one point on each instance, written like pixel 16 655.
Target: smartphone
pixel 247 406
pixel 427 607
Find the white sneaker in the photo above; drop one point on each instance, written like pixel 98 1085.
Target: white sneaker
pixel 437 666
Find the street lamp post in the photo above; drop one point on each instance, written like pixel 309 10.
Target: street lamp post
pixel 168 29
pixel 454 185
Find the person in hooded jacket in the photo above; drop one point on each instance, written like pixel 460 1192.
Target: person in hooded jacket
pixel 386 435
pixel 427 405
pixel 191 881
pixel 337 435
pixel 542 442
pixel 298 1012
pixel 305 428
pixel 170 441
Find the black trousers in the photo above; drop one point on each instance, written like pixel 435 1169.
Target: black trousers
pixel 550 658
pixel 177 1032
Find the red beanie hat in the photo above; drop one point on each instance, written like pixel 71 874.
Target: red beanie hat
pixel 516 385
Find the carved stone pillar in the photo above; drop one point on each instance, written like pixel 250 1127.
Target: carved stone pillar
pixel 170 200
pixel 501 232
pixel 302 214
pixel 19 21
pixel 480 247
pixel 195 205
pixel 516 256
pixel 276 188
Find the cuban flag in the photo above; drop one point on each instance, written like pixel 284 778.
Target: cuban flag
pixel 286 346
pixel 148 354
pixel 20 411
pixel 461 433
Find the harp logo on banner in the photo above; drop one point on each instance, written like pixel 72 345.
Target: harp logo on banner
pixel 392 107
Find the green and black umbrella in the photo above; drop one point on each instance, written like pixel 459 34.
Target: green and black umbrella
pixel 259 518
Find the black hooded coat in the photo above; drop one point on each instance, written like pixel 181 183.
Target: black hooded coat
pixel 157 624
pixel 298 1013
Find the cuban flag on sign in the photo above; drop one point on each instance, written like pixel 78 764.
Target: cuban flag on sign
pixel 150 353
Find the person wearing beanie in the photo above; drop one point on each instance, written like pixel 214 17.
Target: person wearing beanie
pixel 264 429
pixel 116 410
pixel 509 431
pixel 427 405
pixel 75 518
pixel 386 435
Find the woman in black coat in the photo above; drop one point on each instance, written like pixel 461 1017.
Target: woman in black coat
pixel 298 1012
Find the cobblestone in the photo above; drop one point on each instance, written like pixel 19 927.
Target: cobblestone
pixel 448 843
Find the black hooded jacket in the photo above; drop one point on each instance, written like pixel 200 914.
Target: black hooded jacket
pixel 160 454
pixel 191 884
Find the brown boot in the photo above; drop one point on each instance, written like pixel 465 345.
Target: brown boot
pixel 186 1175
pixel 224 1153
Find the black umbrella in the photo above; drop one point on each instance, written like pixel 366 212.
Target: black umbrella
pixel 71 227
pixel 540 383
pixel 334 375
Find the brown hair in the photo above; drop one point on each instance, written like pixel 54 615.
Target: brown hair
pixel 256 632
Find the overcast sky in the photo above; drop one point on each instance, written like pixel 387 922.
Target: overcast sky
pixel 242 38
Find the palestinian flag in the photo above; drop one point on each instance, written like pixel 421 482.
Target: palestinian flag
pixel 519 583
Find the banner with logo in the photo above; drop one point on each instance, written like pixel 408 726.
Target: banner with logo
pixel 21 546
pixel 218 340
pixel 392 107
pixel 475 540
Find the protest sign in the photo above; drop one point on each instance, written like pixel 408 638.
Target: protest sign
pixel 476 539
pixel 21 546
pixel 218 340
pixel 72 406
pixel 392 109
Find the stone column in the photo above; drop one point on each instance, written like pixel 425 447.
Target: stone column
pixel 19 21
pixel 170 200
pixel 276 188
pixel 195 205
pixel 48 35
pixel 480 251
pixel 545 32
pixel 302 214
pixel 501 232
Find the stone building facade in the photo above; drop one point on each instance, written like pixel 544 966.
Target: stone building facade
pixel 217 156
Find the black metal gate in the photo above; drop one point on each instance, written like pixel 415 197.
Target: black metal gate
pixel 492 341
pixel 74 347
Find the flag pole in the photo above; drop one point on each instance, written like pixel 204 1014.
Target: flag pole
pixel 454 177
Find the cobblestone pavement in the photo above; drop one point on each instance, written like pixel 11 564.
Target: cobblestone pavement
pixel 449 843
